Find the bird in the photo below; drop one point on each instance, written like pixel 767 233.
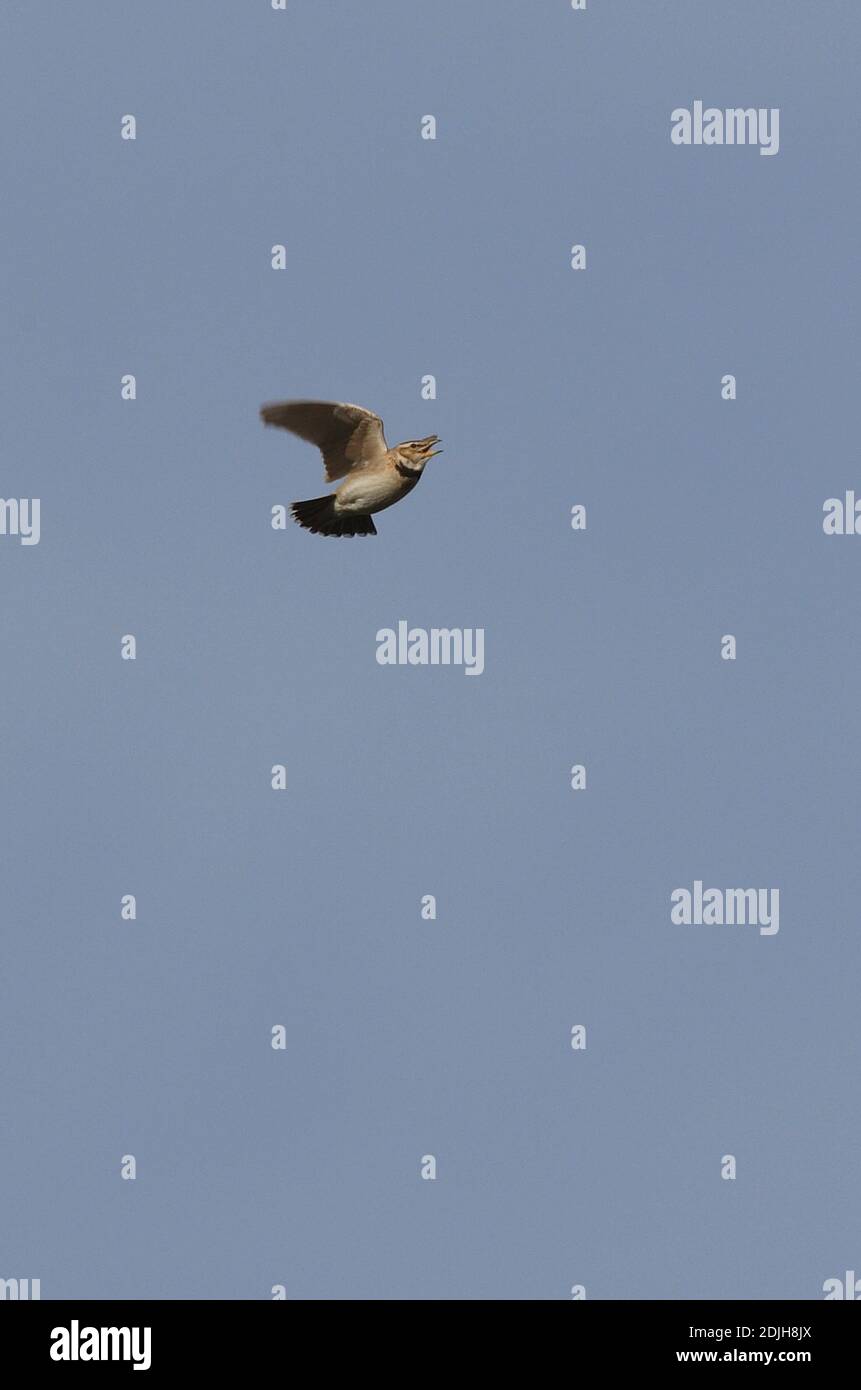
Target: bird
pixel 354 448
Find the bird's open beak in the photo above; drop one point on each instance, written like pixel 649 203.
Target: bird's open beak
pixel 434 439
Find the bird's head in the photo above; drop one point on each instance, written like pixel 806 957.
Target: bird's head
pixel 418 451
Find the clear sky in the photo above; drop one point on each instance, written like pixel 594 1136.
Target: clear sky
pixel 255 908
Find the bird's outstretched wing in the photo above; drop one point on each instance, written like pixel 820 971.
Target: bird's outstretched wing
pixel 346 435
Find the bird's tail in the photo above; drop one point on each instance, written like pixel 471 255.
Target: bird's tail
pixel 318 514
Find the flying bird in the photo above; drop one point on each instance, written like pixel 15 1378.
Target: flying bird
pixel 354 448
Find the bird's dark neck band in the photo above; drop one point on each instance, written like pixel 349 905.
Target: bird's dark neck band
pixel 407 472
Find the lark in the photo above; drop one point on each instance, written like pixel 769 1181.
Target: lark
pixel 354 448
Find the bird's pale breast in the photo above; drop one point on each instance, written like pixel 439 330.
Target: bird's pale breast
pixel 369 490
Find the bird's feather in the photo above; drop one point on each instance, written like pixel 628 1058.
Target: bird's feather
pixel 346 435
